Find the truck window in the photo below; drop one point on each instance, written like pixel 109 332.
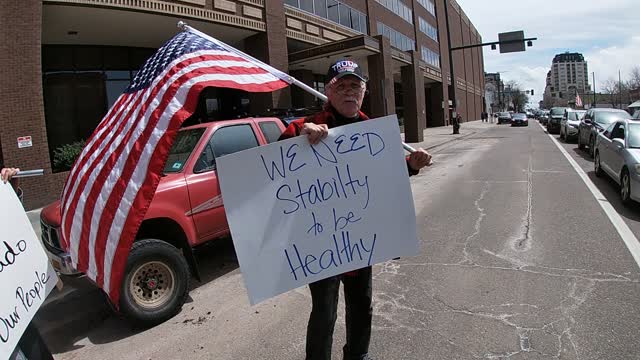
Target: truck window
pixel 230 139
pixel 271 131
pixel 225 141
pixel 183 145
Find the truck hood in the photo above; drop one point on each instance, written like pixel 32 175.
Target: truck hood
pixel 52 215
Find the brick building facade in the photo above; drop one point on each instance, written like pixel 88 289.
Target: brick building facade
pixel 64 62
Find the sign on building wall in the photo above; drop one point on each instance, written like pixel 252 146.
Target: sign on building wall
pixel 300 213
pixel 26 275
pixel 24 142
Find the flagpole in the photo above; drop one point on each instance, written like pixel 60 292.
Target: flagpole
pixel 29 173
pixel 284 77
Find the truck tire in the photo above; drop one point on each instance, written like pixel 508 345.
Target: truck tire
pixel 155 283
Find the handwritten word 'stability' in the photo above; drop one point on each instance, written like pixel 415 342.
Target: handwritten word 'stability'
pixel 341 182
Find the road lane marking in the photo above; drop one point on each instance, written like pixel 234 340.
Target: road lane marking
pixel 623 229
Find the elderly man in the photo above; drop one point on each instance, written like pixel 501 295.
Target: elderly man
pixel 345 92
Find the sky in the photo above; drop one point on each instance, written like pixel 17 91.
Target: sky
pixel 603 31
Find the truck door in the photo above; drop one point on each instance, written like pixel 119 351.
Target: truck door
pixel 204 188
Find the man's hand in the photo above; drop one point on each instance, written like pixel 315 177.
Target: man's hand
pixel 315 132
pixel 7 173
pixel 419 159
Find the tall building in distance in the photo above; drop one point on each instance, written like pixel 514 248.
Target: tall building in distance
pixel 569 75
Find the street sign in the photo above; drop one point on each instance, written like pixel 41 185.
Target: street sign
pixel 515 42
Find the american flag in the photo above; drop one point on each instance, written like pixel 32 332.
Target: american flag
pixel 578 100
pixel 112 183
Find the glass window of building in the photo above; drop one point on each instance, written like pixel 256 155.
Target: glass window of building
pixel 306 5
pixel 345 15
pixel 430 57
pixel 335 11
pixel 428 4
pixel 397 39
pixel 428 29
pixel 332 9
pixel 399 8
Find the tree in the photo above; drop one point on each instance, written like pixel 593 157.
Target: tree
pixel 616 93
pixel 634 78
pixel 516 96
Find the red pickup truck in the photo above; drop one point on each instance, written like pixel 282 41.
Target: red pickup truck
pixel 186 211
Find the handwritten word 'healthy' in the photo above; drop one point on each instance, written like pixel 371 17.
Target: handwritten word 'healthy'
pixel 341 186
pixel 325 153
pixel 343 252
pixel 26 298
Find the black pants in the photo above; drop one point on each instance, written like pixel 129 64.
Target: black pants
pixel 357 295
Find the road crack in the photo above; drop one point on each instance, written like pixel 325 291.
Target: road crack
pixel 481 215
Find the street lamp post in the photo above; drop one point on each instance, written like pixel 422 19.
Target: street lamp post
pixel 594 90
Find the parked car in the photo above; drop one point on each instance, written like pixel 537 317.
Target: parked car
pixel 555 116
pixel 504 118
pixel 617 154
pixel 186 211
pixel 594 122
pixel 519 120
pixel 544 117
pixel 570 123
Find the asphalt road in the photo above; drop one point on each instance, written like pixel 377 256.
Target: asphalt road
pixel 518 261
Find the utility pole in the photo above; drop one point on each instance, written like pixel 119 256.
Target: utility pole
pixel 452 89
pixel 620 86
pixel 594 90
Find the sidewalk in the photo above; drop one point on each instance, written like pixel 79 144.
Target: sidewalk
pixel 436 136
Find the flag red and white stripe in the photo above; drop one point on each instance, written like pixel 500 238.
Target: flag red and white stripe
pixel 578 100
pixel 113 181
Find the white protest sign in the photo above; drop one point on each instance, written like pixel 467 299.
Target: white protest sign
pixel 26 275
pixel 300 213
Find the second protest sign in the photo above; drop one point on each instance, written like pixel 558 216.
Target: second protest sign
pixel 300 213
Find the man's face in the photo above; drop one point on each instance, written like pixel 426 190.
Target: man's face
pixel 346 94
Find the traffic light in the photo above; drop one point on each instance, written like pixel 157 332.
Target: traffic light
pixel 532 92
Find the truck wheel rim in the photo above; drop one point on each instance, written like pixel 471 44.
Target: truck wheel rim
pixel 152 284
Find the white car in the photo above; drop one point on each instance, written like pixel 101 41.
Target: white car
pixel 570 123
pixel 617 154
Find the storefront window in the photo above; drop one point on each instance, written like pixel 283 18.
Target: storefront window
pixel 80 84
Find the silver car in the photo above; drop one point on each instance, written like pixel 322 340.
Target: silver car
pixel 570 123
pixel 617 154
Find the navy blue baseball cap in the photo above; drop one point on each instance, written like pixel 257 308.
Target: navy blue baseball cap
pixel 344 68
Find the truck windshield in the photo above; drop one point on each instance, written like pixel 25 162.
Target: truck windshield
pixel 185 142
